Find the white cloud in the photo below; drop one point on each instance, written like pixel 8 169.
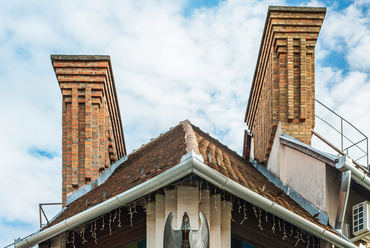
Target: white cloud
pixel 167 68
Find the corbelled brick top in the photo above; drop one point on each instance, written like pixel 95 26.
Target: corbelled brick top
pixel 283 87
pixel 165 152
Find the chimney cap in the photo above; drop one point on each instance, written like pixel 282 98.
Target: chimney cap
pixel 296 9
pixel 80 57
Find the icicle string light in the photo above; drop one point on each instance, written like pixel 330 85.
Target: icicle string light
pixel 266 217
pixel 119 218
pixel 135 212
pixel 110 223
pixel 259 220
pixel 131 215
pixel 95 236
pixel 245 214
pixel 279 225
pixel 255 211
pixel 215 199
pixel 308 241
pixel 299 237
pixel 200 191
pixel 284 237
pixel 231 212
pixel 82 235
pixel 103 224
pixel 115 216
pixel 273 224
pixel 73 239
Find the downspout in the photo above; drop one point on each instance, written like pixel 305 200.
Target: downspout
pixel 343 199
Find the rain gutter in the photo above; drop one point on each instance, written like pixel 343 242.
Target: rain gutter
pixel 246 194
pixel 190 163
pixel 344 163
pixel 184 168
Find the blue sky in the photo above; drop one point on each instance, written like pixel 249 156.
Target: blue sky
pixel 172 60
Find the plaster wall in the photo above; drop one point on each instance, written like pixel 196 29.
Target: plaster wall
pixel 277 158
pixel 306 176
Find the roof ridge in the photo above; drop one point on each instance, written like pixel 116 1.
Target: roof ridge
pixel 219 143
pixel 152 140
pixel 190 137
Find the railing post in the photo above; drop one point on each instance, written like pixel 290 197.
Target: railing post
pixel 341 134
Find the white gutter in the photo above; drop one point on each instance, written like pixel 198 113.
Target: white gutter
pixel 190 163
pixel 177 172
pixel 223 182
pixel 344 163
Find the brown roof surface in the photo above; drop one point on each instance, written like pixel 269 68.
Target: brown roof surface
pixel 165 152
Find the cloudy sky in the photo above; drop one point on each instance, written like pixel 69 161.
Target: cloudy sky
pixel 172 60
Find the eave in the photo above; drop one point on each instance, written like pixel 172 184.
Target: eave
pixel 191 163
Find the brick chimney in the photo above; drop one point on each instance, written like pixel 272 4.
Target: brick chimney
pixel 283 88
pixel 92 127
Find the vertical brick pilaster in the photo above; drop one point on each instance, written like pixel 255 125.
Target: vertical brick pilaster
pixel 290 77
pixel 92 128
pixel 303 60
pixel 74 135
pixel 88 136
pixel 284 93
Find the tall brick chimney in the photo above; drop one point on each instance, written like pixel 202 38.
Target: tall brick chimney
pixel 92 127
pixel 283 88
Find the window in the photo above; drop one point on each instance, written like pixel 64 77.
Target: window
pixel 236 243
pixel 136 244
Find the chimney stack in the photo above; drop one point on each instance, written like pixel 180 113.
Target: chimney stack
pixel 92 127
pixel 283 88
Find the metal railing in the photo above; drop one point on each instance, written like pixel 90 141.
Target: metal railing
pixel 42 212
pixel 344 137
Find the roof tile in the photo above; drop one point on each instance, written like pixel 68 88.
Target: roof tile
pixel 165 152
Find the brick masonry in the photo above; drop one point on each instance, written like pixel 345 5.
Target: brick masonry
pixel 92 128
pixel 283 88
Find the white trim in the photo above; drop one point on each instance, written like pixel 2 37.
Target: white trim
pixel 345 163
pixel 190 165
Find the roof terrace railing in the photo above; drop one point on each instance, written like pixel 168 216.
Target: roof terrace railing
pixel 345 142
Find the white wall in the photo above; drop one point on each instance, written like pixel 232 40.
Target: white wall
pixel 188 199
pixel 304 174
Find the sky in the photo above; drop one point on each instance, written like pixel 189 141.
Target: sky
pixel 172 60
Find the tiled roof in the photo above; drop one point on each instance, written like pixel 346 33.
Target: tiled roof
pixel 165 152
